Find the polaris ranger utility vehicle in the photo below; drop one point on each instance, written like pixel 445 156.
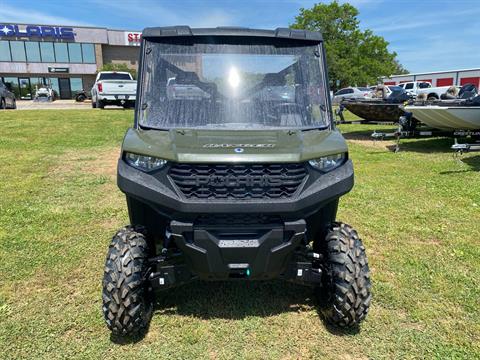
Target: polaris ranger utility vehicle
pixel 233 171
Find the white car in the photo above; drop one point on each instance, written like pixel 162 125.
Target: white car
pixel 114 88
pixel 352 93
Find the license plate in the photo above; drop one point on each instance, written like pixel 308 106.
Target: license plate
pixel 121 97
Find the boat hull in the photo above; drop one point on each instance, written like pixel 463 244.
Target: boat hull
pixel 447 118
pixel 375 112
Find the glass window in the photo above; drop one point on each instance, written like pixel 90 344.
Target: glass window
pixel 75 52
pixel 409 86
pixel 13 81
pixel 5 51
pixel 18 50
pixel 88 53
pixel 61 52
pixel 53 83
pixel 33 51
pixel 76 85
pixel 46 48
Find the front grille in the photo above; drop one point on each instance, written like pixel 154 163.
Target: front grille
pixel 239 181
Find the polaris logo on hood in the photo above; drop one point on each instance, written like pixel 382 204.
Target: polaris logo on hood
pixel 226 146
pixel 37 31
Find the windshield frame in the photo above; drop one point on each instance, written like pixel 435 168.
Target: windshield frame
pixel 325 108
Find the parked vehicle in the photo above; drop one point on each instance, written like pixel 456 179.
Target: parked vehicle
pixel 352 93
pixel 44 93
pixel 424 88
pixel 7 98
pixel 237 185
pixel 114 88
pixel 81 96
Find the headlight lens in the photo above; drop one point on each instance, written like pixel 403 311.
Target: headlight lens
pixel 144 162
pixel 329 162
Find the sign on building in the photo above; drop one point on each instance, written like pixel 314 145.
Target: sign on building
pixel 132 38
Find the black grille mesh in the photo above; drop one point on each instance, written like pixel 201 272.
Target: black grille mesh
pixel 240 181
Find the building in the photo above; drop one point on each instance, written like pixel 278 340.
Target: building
pixel 438 78
pixel 66 58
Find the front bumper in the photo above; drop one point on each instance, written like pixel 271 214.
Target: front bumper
pixel 164 199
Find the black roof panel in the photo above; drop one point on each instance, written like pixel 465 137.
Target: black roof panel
pixel 175 31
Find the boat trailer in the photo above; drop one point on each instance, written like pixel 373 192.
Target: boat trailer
pixel 405 130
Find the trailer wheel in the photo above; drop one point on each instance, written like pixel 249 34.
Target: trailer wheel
pixel 345 296
pixel 127 301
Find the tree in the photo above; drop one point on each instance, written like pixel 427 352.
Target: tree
pixel 118 67
pixel 354 57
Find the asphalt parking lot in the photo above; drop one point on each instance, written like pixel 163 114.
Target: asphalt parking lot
pixel 47 105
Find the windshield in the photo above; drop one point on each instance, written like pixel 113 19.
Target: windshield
pixel 114 76
pixel 233 86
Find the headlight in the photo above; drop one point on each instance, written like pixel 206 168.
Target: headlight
pixel 144 162
pixel 329 162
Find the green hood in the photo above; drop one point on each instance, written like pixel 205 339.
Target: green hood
pixel 246 146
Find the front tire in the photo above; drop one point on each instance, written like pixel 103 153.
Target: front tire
pixel 127 301
pixel 346 293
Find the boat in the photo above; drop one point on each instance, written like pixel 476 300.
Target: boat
pixel 449 114
pixel 384 108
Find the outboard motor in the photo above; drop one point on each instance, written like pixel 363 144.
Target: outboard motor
pixel 467 91
pixel 398 97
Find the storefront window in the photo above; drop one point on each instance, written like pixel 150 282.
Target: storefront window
pixel 33 52
pixel 61 52
pixel 13 81
pixel 76 85
pixel 88 53
pixel 75 52
pixel 5 51
pixel 53 83
pixel 46 48
pixel 18 50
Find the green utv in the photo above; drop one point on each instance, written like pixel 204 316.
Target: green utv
pixel 233 171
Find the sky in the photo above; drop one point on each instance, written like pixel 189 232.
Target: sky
pixel 427 35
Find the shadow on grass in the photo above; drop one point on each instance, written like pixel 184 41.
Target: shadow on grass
pixel 366 134
pixel 472 163
pixel 236 300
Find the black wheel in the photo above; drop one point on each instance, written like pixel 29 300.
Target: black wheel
pixel 345 296
pixel 94 104
pixel 100 104
pixel 127 301
pixel 14 104
pixel 81 98
pixel 3 104
pixel 432 98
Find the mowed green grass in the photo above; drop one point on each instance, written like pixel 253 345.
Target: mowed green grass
pixel 418 212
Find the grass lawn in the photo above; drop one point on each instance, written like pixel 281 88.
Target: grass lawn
pixel 418 212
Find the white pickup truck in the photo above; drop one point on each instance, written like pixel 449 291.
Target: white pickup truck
pixel 114 88
pixel 422 87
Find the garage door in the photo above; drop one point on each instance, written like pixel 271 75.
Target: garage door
pixel 445 82
pixel 470 80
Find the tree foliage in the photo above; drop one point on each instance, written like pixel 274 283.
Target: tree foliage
pixel 354 57
pixel 118 67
